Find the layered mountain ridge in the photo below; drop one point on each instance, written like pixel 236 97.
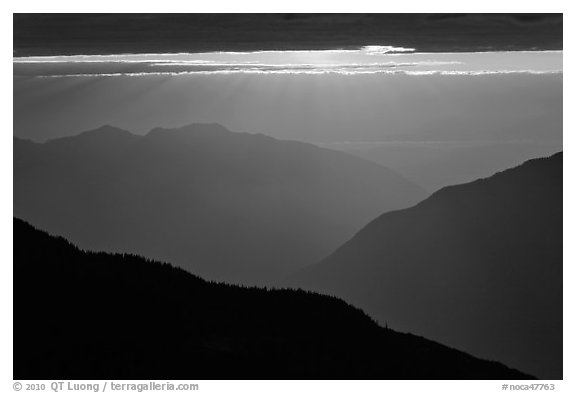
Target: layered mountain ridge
pixel 228 206
pixel 477 266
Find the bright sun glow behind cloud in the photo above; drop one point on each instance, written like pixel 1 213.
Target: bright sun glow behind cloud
pixel 367 60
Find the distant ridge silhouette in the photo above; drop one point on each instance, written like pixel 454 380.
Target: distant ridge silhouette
pixel 434 165
pixel 477 266
pixel 229 206
pixel 86 315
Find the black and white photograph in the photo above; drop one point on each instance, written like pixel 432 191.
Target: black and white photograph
pixel 287 197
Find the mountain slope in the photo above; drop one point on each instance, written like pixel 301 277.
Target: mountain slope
pixel 477 266
pixel 436 165
pixel 228 206
pixel 85 315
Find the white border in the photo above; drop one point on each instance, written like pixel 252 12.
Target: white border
pixel 297 6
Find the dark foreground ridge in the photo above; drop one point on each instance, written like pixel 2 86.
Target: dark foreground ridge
pixel 85 315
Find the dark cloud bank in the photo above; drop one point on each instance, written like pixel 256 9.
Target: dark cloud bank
pixel 56 34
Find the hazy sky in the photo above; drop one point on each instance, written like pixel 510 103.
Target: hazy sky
pixel 366 95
